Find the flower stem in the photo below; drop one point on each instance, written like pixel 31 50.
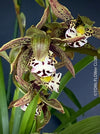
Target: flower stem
pixel 17 4
pixel 10 75
pixel 49 16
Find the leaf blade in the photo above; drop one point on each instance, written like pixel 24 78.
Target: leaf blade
pixel 72 96
pixel 89 126
pixel 3 104
pixel 30 110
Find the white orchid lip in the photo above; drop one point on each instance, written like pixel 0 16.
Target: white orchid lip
pixel 46 71
pixel 71 33
pixel 43 68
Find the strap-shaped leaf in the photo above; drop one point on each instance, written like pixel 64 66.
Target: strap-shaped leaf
pixel 29 114
pixel 15 97
pixel 87 126
pixel 4 124
pixel 71 95
pixel 78 113
pixel 17 117
pixel 60 11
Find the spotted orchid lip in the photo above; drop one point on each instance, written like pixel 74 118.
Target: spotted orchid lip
pixel 47 72
pixel 43 68
pixel 72 32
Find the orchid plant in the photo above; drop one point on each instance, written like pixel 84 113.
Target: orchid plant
pixel 34 60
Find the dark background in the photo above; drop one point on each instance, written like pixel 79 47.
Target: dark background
pixel 82 84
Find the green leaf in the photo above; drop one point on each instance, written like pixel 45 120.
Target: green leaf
pixel 87 126
pixel 26 123
pixel 9 88
pixel 79 112
pixel 16 94
pixel 4 55
pixel 17 117
pixel 67 77
pixel 41 3
pixel 4 124
pixel 42 120
pixel 33 127
pixel 71 95
pixel 63 117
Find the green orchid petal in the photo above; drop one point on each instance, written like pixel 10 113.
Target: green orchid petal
pixel 43 119
pixel 31 31
pixel 16 42
pixel 22 101
pixel 40 45
pixel 83 20
pixel 5 56
pixel 54 103
pixel 96 33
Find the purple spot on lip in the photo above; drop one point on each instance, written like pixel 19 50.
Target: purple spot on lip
pixel 42 63
pixel 44 74
pixel 38 72
pixel 48 72
pixel 68 36
pixel 36 64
